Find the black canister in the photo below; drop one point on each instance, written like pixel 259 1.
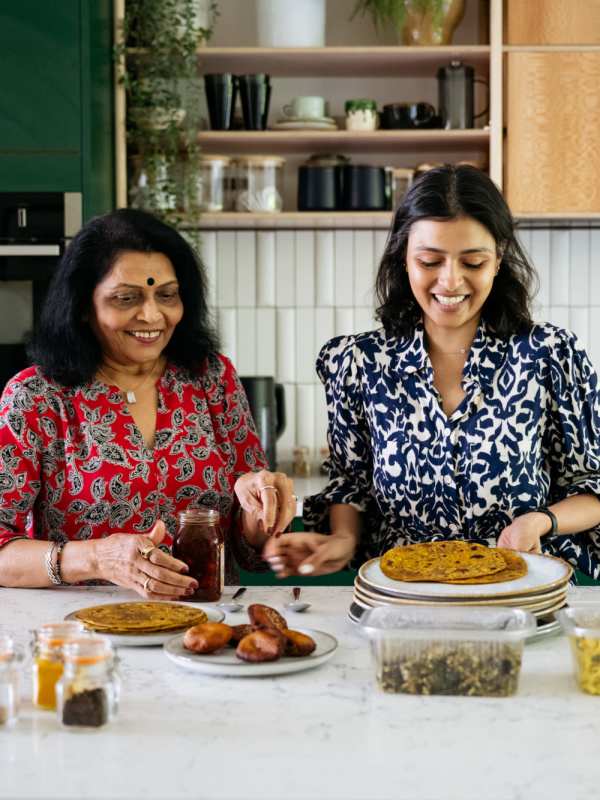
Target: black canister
pixel 267 404
pixel 319 188
pixel 364 188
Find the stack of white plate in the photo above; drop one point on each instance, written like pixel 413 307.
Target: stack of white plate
pixel 306 124
pixel 542 591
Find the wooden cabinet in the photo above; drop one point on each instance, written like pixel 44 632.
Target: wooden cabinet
pixel 541 22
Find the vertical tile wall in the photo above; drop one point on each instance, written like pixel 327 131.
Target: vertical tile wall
pixel 279 295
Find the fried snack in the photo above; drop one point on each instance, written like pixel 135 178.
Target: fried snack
pixel 208 637
pixel 239 631
pixel 139 617
pixel 262 645
pixel 516 567
pixel 266 617
pixel 441 561
pixel 298 644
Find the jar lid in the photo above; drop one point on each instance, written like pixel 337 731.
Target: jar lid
pixel 264 161
pixel 87 650
pixel 211 157
pixel 204 514
pixel 55 634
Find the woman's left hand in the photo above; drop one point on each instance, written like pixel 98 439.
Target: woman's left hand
pixel 524 533
pixel 268 503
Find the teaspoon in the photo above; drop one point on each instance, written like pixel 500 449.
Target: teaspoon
pixel 230 606
pixel 296 605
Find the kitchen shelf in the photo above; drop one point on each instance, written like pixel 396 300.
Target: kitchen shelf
pixel 353 141
pixel 296 220
pixel 339 61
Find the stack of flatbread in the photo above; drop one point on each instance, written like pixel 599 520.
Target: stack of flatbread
pixel 139 617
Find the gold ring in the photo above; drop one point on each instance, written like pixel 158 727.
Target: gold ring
pixel 295 498
pixel 146 550
pixel 146 582
pixel 272 488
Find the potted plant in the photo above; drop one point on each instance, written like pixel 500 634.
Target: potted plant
pixel 417 22
pixel 158 52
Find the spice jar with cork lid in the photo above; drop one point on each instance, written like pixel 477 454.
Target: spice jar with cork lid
pixel 200 544
pixel 47 644
pixel 10 681
pixel 87 695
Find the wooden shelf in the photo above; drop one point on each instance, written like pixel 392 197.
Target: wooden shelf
pixel 296 220
pixel 551 48
pixel 353 141
pixel 339 61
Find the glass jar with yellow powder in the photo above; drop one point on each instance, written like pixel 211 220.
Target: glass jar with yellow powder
pixel 47 644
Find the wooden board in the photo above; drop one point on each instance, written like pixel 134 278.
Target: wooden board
pixel 553 21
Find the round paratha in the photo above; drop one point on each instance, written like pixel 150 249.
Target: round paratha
pixel 516 567
pixel 441 561
pixel 139 617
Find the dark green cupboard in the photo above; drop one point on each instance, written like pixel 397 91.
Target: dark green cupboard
pixel 56 99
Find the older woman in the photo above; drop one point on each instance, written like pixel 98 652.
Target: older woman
pixel 460 418
pixel 129 416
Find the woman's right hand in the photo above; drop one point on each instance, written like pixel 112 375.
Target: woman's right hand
pixel 309 553
pixel 157 576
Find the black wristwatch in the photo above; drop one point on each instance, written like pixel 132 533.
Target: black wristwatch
pixel 551 517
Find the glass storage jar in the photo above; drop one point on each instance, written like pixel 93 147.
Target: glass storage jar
pixel 259 184
pixel 212 183
pixel 87 695
pixel 199 543
pixel 47 644
pixel 10 681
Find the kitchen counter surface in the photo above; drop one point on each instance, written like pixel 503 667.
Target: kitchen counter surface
pixel 322 733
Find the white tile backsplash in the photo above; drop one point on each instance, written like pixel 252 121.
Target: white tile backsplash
pixel 280 295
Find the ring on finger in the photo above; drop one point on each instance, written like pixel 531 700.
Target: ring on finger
pixel 146 550
pixel 272 488
pixel 146 582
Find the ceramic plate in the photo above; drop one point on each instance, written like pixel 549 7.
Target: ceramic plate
pixel 329 120
pixel 152 639
pixel 305 126
pixel 544 573
pixel 226 663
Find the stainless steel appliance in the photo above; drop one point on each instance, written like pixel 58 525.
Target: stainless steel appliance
pixel 456 84
pixel 35 228
pixel 267 403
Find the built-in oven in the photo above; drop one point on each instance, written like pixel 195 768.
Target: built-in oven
pixel 35 228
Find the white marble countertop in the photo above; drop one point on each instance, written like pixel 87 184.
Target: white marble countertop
pixel 322 733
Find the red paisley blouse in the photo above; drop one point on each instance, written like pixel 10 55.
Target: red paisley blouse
pixel 74 466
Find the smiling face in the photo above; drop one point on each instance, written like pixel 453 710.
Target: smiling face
pixel 451 268
pixel 132 320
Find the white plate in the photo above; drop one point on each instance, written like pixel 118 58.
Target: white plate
pixel 329 120
pixel 226 663
pixel 543 574
pixel 152 639
pixel 305 126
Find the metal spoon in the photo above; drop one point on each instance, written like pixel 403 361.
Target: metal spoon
pixel 230 606
pixel 296 605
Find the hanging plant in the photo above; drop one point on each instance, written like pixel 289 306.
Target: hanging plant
pixel 158 51
pixel 416 22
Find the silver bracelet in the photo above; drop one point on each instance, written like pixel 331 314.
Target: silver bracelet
pixel 53 567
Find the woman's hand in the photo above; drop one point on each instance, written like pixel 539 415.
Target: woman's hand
pixel 136 562
pixel 525 533
pixel 309 553
pixel 268 504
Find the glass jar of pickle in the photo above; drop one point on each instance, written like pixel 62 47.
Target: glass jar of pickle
pixel 48 641
pixel 259 183
pixel 212 183
pixel 10 681
pixel 199 543
pixel 87 694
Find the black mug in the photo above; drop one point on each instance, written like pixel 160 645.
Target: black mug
pixel 267 404
pixel 221 93
pixel 407 115
pixel 255 94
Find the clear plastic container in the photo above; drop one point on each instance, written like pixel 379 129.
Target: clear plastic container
pixel 10 681
pixel 582 626
pixel 451 651
pixel 212 183
pixel 47 644
pixel 259 184
pixel 87 695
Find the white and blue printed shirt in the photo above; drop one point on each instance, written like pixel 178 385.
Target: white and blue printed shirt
pixel 526 434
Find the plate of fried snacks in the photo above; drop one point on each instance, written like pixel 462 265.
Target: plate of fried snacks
pixel 262 646
pixel 143 623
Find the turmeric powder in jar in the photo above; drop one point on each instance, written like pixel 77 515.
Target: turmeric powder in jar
pixel 47 647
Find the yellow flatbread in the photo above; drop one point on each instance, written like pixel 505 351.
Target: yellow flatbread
pixel 139 617
pixel 516 567
pixel 441 561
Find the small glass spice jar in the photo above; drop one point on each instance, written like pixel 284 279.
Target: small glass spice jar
pixel 212 183
pixel 47 644
pixel 10 681
pixel 87 695
pixel 259 184
pixel 199 543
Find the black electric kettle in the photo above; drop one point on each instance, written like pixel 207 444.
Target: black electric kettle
pixel 267 404
pixel 456 84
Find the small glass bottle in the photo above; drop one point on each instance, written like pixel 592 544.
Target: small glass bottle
pixel 10 681
pixel 48 659
pixel 87 695
pixel 199 543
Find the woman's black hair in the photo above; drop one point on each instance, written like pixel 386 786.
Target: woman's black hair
pixel 446 193
pixel 64 346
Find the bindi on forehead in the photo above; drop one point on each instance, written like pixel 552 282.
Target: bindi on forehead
pixel 150 281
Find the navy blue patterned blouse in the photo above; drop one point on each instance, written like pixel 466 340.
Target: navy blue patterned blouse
pixel 526 434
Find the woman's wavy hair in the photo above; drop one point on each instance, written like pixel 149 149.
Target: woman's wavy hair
pixel 64 346
pixel 446 193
